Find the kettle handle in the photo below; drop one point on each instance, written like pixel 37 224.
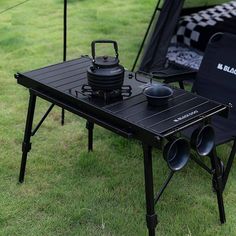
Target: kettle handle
pixel 104 41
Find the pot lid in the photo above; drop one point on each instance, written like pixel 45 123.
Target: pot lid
pixel 106 61
pixel 106 71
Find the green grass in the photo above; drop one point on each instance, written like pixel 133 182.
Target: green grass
pixel 67 190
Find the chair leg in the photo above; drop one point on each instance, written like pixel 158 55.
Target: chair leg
pixel 229 164
pixel 221 168
pixel 151 217
pixel 181 84
pixel 90 127
pixel 217 176
pixel 26 145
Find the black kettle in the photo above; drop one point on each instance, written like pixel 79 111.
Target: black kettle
pixel 105 73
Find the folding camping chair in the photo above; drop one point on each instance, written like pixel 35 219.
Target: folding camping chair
pixel 216 80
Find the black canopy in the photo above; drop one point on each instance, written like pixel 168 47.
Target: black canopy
pixel 155 53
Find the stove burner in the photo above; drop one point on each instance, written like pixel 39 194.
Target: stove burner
pixel 107 95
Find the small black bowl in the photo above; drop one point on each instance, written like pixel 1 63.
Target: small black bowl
pixel 158 95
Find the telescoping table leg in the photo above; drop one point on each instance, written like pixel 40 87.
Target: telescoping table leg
pixel 62 116
pixel 26 145
pixel 90 126
pixel 151 217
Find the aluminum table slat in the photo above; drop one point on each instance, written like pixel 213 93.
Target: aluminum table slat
pixel 67 80
pixel 143 110
pixel 55 67
pixel 62 74
pixel 172 111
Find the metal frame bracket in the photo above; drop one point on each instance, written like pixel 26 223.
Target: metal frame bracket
pixel 26 147
pixel 152 221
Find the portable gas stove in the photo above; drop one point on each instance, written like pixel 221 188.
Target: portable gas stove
pixel 109 96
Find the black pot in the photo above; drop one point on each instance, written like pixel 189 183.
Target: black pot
pixel 176 153
pixel 158 95
pixel 203 140
pixel 105 73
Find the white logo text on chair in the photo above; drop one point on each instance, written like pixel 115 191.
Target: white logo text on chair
pixel 226 68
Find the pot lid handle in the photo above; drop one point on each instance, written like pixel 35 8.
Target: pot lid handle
pixel 93 47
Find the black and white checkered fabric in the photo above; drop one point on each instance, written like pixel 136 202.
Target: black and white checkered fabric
pixel 184 56
pixel 195 30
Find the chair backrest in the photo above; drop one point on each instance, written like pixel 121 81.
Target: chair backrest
pixel 216 78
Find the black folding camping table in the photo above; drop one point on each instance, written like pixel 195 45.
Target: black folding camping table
pixel 130 117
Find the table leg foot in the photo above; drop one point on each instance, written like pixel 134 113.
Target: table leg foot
pixel 151 224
